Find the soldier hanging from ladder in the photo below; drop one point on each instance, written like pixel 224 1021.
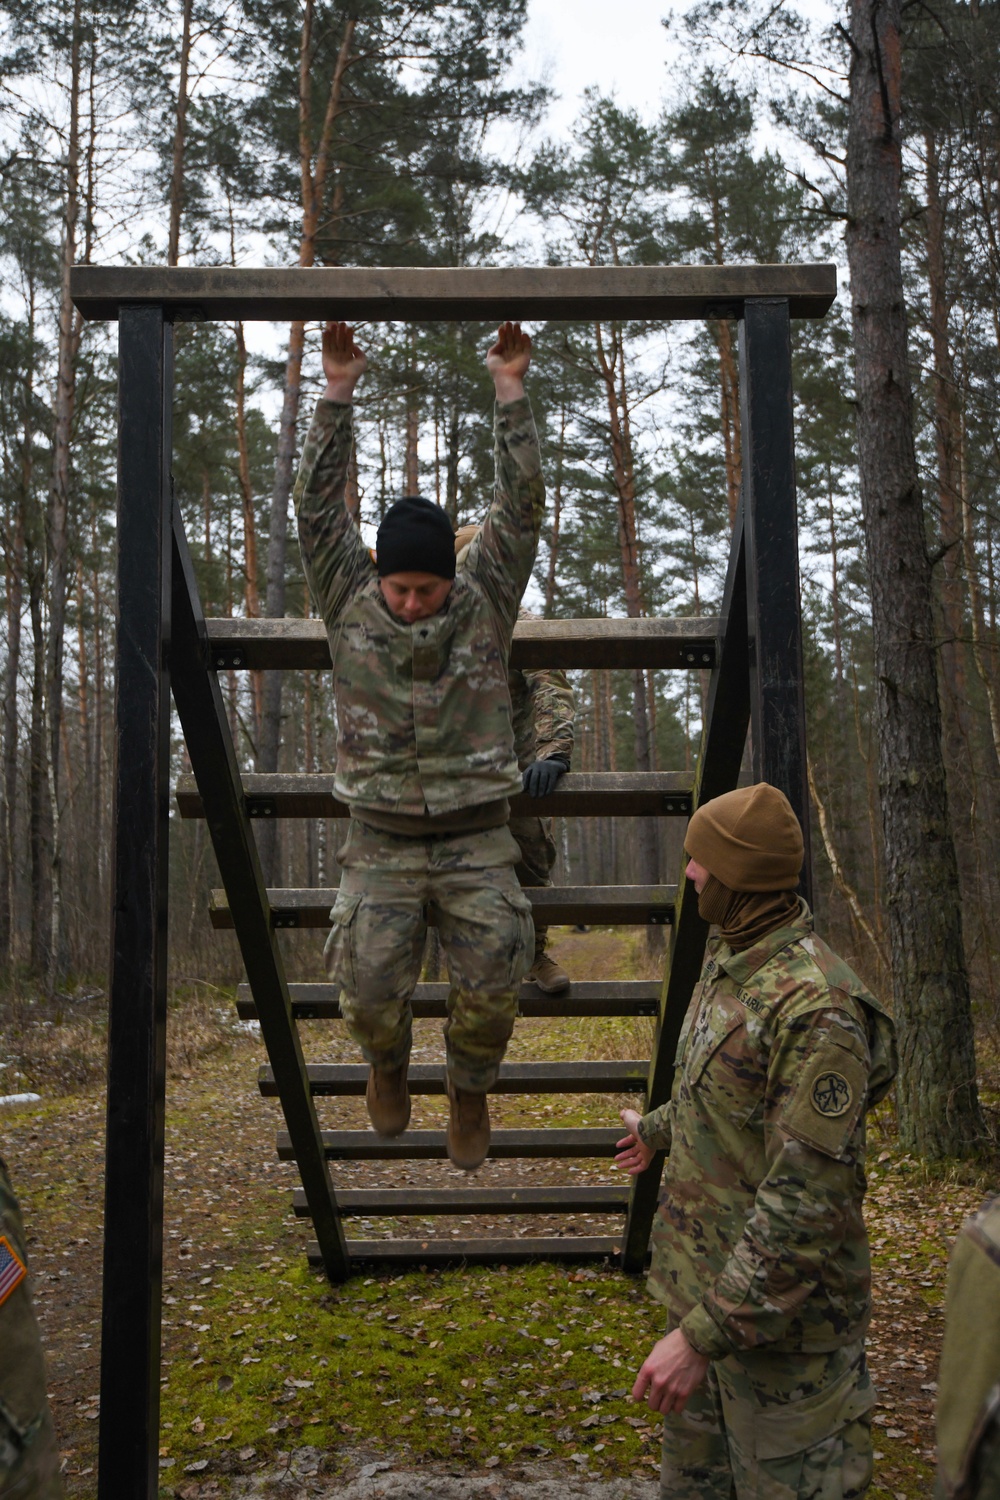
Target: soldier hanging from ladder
pixel 425 751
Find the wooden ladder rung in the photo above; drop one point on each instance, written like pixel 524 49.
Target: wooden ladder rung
pixel 423 1202
pixel 586 997
pixel 429 1145
pixel 680 644
pixel 611 1077
pixel 586 794
pixel 478 1252
pixel 615 905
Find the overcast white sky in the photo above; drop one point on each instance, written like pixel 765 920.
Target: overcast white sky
pixel 622 47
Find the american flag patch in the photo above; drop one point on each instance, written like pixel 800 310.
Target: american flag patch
pixel 12 1269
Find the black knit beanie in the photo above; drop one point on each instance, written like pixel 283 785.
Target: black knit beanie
pixel 415 537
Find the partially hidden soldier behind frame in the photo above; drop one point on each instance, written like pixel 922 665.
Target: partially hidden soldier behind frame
pixel 29 1461
pixel 543 706
pixel 968 1407
pixel 425 747
pixel 759 1247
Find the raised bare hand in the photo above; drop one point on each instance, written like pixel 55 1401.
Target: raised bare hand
pixel 344 362
pixel 633 1155
pixel 508 360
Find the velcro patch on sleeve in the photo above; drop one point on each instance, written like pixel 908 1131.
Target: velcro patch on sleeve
pixel 12 1269
pixel 828 1095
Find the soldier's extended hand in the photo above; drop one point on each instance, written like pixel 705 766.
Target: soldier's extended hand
pixel 633 1155
pixel 344 362
pixel 542 778
pixel 508 360
pixel 672 1370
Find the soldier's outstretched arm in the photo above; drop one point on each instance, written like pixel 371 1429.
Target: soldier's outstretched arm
pixel 335 558
pixel 505 552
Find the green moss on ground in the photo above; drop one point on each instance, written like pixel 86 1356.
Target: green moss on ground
pixel 481 1364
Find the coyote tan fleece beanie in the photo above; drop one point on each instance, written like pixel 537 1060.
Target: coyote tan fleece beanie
pixel 750 839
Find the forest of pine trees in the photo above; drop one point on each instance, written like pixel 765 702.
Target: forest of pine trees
pixel 218 132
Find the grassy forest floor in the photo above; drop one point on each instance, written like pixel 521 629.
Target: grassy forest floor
pixel 505 1385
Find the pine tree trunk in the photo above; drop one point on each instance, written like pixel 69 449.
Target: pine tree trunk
pixel 314 175
pixel 938 1101
pixel 59 496
pixel 611 361
pixel 39 809
pixel 180 135
pixel 8 791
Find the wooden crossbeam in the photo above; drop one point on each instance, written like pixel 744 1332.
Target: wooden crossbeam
pixel 581 794
pixel 450 293
pixel 429 1145
pixel 421 1202
pixel 606 1077
pixel 569 1248
pixel 586 997
pixel 617 905
pixel 622 643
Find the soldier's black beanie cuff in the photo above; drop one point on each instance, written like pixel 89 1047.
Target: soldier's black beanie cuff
pixel 415 537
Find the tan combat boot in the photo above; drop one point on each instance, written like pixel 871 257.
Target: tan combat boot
pixel 468 1128
pixel 388 1099
pixel 545 972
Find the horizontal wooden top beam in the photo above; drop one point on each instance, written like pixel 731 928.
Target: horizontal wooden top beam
pixel 679 644
pixel 587 794
pixel 449 294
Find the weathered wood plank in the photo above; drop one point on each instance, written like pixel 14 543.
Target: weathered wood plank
pixel 450 293
pixel 479 1252
pixel 608 1077
pixel 678 644
pixel 586 997
pixel 429 1145
pixel 587 1198
pixel 619 905
pixel 596 794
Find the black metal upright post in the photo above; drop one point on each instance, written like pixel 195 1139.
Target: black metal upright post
pixel 777 698
pixel 133 1213
pixel 727 714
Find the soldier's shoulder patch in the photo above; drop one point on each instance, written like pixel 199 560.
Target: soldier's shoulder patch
pixel 12 1269
pixel 832 1095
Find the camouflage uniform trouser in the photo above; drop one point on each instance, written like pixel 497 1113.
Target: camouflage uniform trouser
pixel 773 1426
pixel 29 1461
pixel 537 847
pixel 390 885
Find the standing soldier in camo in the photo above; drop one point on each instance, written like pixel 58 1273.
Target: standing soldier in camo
pixel 759 1247
pixel 544 711
pixel 29 1461
pixel 425 747
pixel 968 1405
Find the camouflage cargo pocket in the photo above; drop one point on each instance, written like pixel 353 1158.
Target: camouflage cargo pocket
pixel 521 945
pixel 339 955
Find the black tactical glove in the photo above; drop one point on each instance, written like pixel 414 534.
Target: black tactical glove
pixel 540 779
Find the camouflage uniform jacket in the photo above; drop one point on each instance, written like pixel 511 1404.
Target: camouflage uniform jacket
pixel 968 1413
pixel 759 1240
pixel 423 710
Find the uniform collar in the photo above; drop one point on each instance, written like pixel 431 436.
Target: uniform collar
pixel 742 966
